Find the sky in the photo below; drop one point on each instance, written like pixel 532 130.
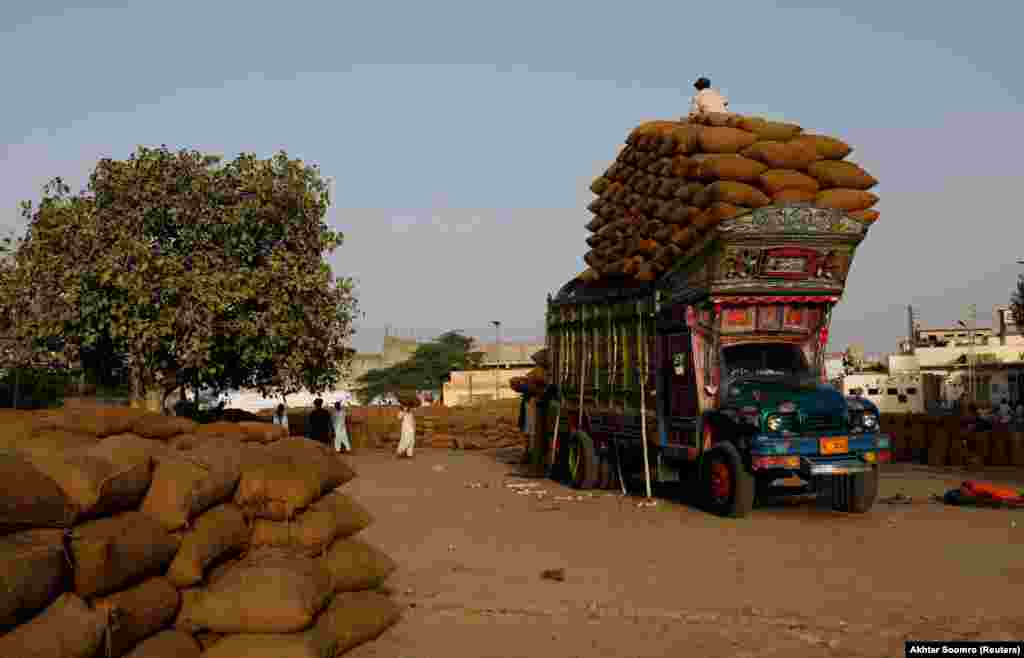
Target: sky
pixel 462 136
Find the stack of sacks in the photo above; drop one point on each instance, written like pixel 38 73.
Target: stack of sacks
pixel 106 527
pixel 291 593
pixel 675 181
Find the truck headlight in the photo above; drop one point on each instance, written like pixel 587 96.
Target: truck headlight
pixel 774 423
pixel 869 421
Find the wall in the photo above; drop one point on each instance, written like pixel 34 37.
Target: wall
pixel 482 385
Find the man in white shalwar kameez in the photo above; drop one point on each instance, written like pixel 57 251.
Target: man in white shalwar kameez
pixel 408 438
pixel 340 431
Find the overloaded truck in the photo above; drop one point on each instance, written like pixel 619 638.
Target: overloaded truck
pixel 712 372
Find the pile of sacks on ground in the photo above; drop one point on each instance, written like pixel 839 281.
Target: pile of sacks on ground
pixel 133 534
pixel 675 181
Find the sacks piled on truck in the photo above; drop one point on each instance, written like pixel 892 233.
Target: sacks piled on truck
pixel 113 541
pixel 675 181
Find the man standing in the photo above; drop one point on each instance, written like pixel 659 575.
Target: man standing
pixel 319 423
pixel 407 442
pixel 707 100
pixel 340 430
pixel 281 418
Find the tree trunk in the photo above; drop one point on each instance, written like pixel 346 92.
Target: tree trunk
pixel 138 390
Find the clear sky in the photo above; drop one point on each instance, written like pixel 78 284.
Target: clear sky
pixel 462 136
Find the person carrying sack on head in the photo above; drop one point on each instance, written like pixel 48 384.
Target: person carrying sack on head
pixel 707 100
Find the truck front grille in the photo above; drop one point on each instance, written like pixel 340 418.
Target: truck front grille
pixel 821 423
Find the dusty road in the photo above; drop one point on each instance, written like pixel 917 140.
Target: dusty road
pixel 672 580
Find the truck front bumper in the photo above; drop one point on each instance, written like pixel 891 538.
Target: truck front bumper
pixel 824 466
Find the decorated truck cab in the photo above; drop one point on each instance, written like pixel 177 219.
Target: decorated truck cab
pixel 715 371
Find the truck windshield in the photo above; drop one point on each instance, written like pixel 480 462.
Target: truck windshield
pixel 764 360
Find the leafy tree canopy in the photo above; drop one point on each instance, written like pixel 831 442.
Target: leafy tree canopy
pixel 427 369
pixel 198 271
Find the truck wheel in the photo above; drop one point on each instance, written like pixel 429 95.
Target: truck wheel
pixel 582 458
pixel 728 486
pixel 855 493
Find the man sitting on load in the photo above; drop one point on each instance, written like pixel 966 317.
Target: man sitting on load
pixel 707 100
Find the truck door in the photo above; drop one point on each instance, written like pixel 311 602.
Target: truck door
pixel 679 385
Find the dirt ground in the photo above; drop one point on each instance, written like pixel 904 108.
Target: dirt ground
pixel 793 580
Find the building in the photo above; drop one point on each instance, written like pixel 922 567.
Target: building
pixel 994 354
pixel 895 391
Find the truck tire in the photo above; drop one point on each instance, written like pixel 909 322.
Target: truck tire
pixel 855 493
pixel 582 462
pixel 727 485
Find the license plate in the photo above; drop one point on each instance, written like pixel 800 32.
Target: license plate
pixel 835 446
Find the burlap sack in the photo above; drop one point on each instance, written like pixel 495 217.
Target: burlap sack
pixel 768 130
pixel 687 191
pixel 207 639
pixel 186 442
pixel 793 196
pixel 221 428
pixel 217 532
pixel 334 516
pixel 839 173
pixel 167 644
pixel 685 137
pixel 268 592
pixel 137 613
pixel 354 618
pixel 193 482
pixel 868 216
pixel 938 449
pixel 33 570
pixel 54 442
pixel 98 420
pixel 717 212
pixel 777 180
pixel 262 432
pixel 599 185
pixel 15 426
pixel 730 167
pixel 127 450
pixel 30 498
pixel 724 140
pixel 160 427
pixel 267 645
pixel 68 628
pixel 782 155
pixel 844 199
pixel 737 194
pixel 300 471
pixel 828 148
pixel 354 565
pixel 112 552
pixel 94 485
pixel 999 448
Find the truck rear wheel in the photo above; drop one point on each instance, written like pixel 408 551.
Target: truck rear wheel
pixel 582 458
pixel 855 493
pixel 728 486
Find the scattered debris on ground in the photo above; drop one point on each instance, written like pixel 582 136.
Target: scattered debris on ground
pixel 557 575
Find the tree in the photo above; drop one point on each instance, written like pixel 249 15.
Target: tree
pixel 198 272
pixel 1017 302
pixel 428 367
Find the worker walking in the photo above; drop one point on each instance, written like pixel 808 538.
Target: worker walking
pixel 407 442
pixel 340 429
pixel 707 100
